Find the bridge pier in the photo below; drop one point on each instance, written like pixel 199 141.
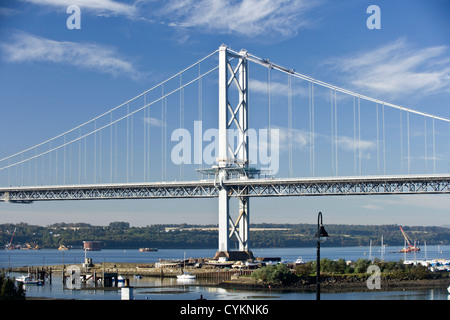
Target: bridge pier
pixel 232 158
pixel 224 213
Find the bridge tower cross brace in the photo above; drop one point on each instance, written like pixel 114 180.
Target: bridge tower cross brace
pixel 232 157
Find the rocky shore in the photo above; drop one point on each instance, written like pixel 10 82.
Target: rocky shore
pixel 333 284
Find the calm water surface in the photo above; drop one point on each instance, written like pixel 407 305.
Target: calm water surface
pixel 172 289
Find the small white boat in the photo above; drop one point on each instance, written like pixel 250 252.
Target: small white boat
pixel 448 289
pixel 251 264
pixel 186 276
pixel 29 280
pixel 299 261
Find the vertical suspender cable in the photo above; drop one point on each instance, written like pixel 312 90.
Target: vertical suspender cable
pixel 409 150
pixel 145 138
pixel 310 129
pixel 115 152
pixel 79 156
pixel 354 136
pixel 131 146
pixel 332 132
pixel 51 168
pixel 335 132
pixel 434 149
pixel 35 167
pixel 128 143
pixel 64 161
pixel 384 145
pixel 165 138
pixel 359 134
pixel 200 106
pixel 401 142
pixel 148 143
pixel 181 118
pixel 100 166
pixel 313 131
pixel 163 134
pixel 290 122
pixel 56 167
pixel 85 159
pixel 269 149
pixel 95 151
pixel 378 143
pixel 426 147
pixel 70 162
pixel 111 149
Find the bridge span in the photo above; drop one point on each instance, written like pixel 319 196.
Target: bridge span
pixel 319 186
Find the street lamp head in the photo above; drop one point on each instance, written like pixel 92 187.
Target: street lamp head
pixel 321 233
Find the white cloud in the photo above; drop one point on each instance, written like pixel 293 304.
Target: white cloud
pixel 398 68
pixel 276 88
pixel 153 121
pixel 265 18
pixel 26 47
pixel 97 6
pixel 8 12
pixel 349 144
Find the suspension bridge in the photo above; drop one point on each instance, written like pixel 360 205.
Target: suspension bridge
pixel 307 138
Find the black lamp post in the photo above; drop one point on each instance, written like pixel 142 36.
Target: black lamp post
pixel 321 235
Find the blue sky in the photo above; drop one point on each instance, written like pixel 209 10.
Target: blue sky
pixel 53 78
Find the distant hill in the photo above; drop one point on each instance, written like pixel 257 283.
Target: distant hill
pixel 264 235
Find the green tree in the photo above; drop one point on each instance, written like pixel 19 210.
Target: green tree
pixel 305 269
pixel 361 265
pixel 8 289
pixel 278 274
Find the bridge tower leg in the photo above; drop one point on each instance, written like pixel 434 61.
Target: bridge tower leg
pixel 233 158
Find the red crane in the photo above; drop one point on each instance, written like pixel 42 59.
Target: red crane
pixel 9 245
pixel 409 248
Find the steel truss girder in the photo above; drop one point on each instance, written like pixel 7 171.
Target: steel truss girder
pixel 341 186
pixel 236 188
pixel 104 192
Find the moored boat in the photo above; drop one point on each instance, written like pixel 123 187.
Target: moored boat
pixel 186 276
pixel 29 280
pixel 148 249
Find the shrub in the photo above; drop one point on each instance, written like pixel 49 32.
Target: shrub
pixel 278 274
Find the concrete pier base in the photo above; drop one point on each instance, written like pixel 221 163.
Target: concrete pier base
pixel 235 255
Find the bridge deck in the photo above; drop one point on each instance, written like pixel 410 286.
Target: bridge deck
pixel 362 185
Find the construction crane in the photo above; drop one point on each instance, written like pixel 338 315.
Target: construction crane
pixel 409 248
pixel 9 246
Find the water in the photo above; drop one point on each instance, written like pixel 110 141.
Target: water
pixel 171 289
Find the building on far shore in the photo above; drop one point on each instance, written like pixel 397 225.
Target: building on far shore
pixel 92 245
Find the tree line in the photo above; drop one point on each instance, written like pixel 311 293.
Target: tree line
pixel 265 235
pixel 332 270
